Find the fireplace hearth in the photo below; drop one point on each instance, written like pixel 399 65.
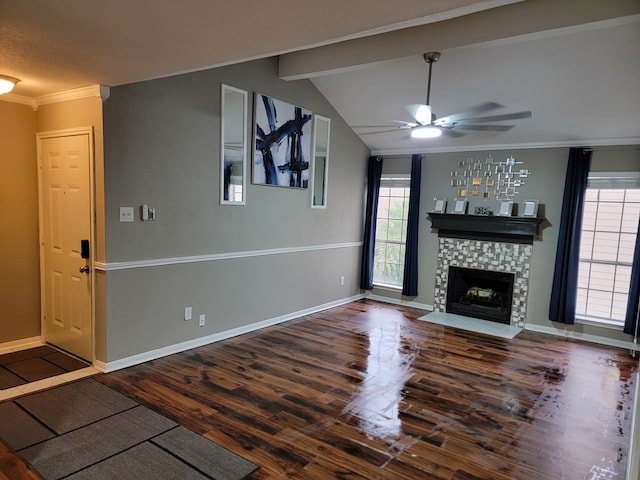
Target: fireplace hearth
pixel 480 294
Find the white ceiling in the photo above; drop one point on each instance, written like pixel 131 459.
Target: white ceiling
pixel 574 63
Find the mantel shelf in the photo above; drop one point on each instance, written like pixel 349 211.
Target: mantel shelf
pixel 492 228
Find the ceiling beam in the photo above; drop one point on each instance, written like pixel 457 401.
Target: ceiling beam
pixel 514 20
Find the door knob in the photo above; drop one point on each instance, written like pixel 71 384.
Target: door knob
pixel 84 269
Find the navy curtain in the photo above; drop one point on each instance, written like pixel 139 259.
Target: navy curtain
pixel 369 248
pixel 564 289
pixel 631 319
pixel 410 278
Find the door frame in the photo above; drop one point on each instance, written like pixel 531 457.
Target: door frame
pixel 40 136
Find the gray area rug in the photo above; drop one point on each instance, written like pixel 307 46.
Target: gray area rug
pixel 85 430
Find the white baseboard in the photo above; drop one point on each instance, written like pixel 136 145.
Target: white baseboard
pixel 216 337
pixel 397 301
pixel 22 344
pixel 612 342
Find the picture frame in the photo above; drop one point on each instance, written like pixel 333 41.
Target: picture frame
pixel 506 207
pixel 530 208
pixel 460 207
pixel 233 145
pixel 440 205
pixel 277 126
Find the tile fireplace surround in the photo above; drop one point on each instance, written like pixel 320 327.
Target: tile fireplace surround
pixel 496 256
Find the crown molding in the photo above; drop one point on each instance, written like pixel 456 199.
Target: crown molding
pixel 77 93
pixel 13 98
pixel 598 142
pixel 100 91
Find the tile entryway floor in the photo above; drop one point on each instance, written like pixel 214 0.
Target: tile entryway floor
pixel 36 368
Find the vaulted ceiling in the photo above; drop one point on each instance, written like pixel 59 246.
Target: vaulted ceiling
pixel 573 63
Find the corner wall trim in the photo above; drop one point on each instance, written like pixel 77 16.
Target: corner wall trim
pixel 156 262
pixel 216 337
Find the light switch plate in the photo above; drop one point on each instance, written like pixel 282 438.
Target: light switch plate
pixel 126 214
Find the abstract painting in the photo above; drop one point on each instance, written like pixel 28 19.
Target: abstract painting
pixel 282 143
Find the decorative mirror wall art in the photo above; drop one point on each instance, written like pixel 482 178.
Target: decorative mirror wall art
pixel 489 179
pixel 233 154
pixel 320 171
pixel 282 148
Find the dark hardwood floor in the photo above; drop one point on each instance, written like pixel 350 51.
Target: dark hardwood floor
pixel 366 391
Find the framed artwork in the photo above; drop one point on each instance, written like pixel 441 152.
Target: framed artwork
pixel 440 206
pixel 282 146
pixel 505 209
pixel 530 208
pixel 460 207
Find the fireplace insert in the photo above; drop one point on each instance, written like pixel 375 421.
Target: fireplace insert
pixel 479 293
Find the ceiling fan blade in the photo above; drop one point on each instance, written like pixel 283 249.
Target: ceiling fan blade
pixel 483 128
pixel 495 118
pixel 404 125
pixel 452 133
pixel 397 129
pixel 471 112
pixel 394 124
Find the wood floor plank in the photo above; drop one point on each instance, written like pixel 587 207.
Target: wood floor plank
pixel 366 391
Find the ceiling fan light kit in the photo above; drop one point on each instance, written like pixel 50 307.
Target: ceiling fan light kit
pixel 7 83
pixel 425 131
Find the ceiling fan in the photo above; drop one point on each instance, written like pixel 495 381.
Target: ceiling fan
pixel 427 125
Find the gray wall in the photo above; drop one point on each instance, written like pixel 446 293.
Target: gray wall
pixel 546 184
pixel 162 148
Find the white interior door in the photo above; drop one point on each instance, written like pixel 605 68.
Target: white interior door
pixel 65 161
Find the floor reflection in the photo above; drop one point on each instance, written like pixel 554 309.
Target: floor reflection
pixel 392 349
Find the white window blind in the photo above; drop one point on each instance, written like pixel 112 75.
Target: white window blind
pixel 391 230
pixel 609 228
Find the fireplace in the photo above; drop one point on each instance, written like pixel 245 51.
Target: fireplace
pixel 480 293
pixel 500 245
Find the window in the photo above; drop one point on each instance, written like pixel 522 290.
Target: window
pixel 391 230
pixel 609 228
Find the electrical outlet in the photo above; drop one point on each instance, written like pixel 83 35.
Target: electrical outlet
pixel 341 280
pixel 188 313
pixel 202 319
